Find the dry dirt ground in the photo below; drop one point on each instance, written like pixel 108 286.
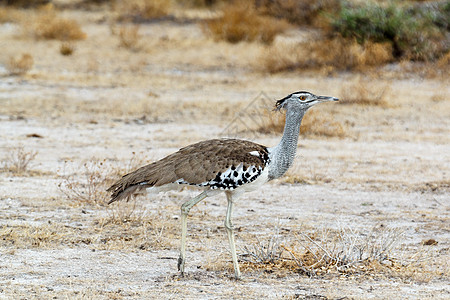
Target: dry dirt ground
pixel 86 114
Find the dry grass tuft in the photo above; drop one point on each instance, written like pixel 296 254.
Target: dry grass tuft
pixel 66 48
pixel 44 235
pixel 47 25
pixel 343 252
pixel 141 10
pixel 300 12
pixel 19 65
pixel 8 14
pixel 331 55
pixel 18 160
pixel 96 176
pixel 121 212
pixel 129 37
pixel 240 21
pixel 362 92
pixel 90 187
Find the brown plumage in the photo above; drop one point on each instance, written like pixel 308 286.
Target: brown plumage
pixel 195 164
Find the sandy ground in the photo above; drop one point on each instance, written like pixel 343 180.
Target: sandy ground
pixel 391 169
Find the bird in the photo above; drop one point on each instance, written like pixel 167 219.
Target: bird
pixel 232 166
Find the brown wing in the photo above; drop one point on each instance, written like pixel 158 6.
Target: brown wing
pixel 195 164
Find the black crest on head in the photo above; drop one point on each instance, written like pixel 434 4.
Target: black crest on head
pixel 280 103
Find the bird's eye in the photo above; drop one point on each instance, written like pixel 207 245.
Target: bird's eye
pixel 302 97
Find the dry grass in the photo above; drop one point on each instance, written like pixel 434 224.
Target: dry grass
pixel 240 21
pixel 321 123
pixel 141 10
pixel 138 231
pixel 66 48
pixel 45 235
pixel 19 65
pixel 96 176
pixel 90 187
pixel 48 25
pixel 300 12
pixel 361 92
pixel 8 14
pixel 345 252
pixel 314 123
pixel 330 55
pixel 129 37
pixel 18 160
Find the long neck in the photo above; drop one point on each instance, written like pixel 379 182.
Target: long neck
pixel 282 155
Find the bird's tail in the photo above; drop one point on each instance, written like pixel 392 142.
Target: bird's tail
pixel 125 188
pixel 118 193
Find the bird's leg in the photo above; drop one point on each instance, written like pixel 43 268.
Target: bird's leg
pixel 184 212
pixel 229 228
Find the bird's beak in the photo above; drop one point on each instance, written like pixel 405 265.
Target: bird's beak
pixel 325 99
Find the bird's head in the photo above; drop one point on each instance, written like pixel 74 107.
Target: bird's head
pixel 301 100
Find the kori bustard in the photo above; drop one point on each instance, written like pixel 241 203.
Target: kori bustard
pixel 229 165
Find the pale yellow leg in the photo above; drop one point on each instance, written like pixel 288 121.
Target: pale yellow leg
pixel 229 228
pixel 184 212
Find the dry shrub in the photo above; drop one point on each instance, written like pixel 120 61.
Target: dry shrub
pixel 141 10
pixel 129 37
pixel 8 14
pixel 90 187
pixel 363 92
pixel 96 176
pixel 301 12
pixel 18 65
pixel 331 54
pixel 18 160
pixel 240 21
pixel 66 49
pixel 443 65
pixel 48 25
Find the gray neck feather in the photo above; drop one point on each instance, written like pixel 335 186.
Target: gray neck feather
pixel 282 155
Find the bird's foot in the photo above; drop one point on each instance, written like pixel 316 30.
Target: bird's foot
pixel 180 265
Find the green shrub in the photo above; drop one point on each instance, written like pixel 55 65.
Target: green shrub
pixel 414 32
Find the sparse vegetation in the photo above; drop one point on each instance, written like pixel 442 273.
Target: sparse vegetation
pixel 240 21
pixel 414 32
pixel 129 37
pixel 344 252
pixel 328 54
pixel 66 49
pixel 48 25
pixel 91 187
pixel 18 160
pixel 19 65
pixel 314 123
pixel 141 10
pixel 299 12
pixel 361 92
